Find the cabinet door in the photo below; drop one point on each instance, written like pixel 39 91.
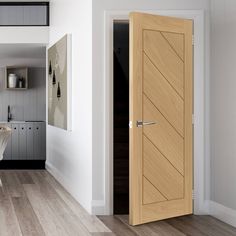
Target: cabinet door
pixel 37 141
pixel 7 153
pixel 30 141
pixel 40 141
pixel 22 142
pixel 15 142
pixel 43 139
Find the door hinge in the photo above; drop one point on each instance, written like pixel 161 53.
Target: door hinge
pixel 193 194
pixel 193 39
pixel 130 124
pixel 193 119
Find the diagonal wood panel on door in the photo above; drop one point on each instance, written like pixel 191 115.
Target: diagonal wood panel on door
pixel 176 41
pixel 151 193
pixel 161 96
pixel 161 173
pixel 163 135
pixel 171 66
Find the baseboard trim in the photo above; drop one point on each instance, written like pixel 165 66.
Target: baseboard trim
pixel 22 165
pixel 223 213
pixel 64 182
pixel 98 207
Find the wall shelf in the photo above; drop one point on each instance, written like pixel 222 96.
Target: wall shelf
pixel 21 72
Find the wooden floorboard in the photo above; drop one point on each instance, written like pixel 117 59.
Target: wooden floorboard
pixel 27 218
pixel 34 203
pixel 182 226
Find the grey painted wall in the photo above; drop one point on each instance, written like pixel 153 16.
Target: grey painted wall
pixel 28 104
pixel 222 102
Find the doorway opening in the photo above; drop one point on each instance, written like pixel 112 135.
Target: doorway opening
pixel 121 117
pixel 111 17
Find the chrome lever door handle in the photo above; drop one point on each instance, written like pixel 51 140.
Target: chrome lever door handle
pixel 143 123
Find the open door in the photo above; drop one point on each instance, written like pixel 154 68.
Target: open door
pixel 160 117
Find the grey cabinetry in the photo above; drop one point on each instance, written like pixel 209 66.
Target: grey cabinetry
pixel 30 141
pixel 15 142
pixel 39 141
pixel 7 153
pixel 22 142
pixel 27 142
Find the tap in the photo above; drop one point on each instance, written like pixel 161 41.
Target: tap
pixel 9 116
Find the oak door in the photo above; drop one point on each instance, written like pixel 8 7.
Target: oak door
pixel 161 117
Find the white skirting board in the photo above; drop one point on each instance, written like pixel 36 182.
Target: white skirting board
pixel 223 213
pixel 64 182
pixel 98 207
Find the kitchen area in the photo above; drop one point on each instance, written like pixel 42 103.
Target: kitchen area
pixel 23 105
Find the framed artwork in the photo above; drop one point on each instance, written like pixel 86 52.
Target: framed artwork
pixel 59 83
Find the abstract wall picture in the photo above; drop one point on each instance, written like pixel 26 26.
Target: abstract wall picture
pixel 59 84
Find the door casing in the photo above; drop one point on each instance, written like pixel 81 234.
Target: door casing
pixel 200 205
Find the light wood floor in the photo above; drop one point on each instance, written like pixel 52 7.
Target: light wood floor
pixel 181 226
pixel 34 203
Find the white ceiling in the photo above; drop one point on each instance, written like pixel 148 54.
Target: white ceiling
pixel 22 54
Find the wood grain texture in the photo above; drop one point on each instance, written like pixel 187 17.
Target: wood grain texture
pixel 135 135
pixel 160 91
pixel 176 41
pixel 181 226
pixel 92 223
pixel 171 66
pixel 163 136
pixel 150 193
pixel 163 96
pixel 28 221
pixel 34 203
pixel 37 213
pixel 159 171
pixel 8 227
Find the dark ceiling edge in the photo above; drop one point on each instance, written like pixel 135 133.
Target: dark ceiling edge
pixel 46 3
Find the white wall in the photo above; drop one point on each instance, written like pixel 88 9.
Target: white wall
pixel 29 35
pixel 69 154
pixel 223 109
pixel 98 75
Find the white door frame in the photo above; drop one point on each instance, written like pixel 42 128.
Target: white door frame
pixel 200 206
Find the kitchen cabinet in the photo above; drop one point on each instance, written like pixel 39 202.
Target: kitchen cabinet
pixel 27 142
pixel 39 141
pixel 30 141
pixel 15 142
pixel 22 142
